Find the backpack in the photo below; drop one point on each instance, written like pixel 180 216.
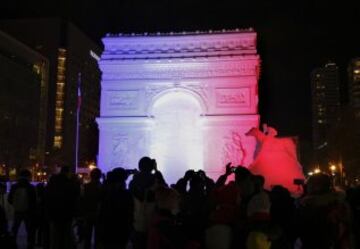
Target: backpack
pixel 20 200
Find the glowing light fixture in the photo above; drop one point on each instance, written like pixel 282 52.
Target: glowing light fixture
pixel 92 166
pixel 332 167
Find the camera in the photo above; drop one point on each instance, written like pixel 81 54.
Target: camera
pixel 154 166
pixel 131 171
pixel 299 181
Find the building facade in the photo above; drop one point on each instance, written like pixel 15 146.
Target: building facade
pixel 70 53
pixel 351 155
pixel 325 108
pixel 354 83
pixel 185 99
pixel 24 80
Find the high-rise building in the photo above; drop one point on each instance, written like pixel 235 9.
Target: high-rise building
pixel 325 107
pixel 71 53
pixel 24 75
pixel 354 83
pixel 351 156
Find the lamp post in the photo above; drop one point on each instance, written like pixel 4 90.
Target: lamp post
pixel 333 168
pixel 92 166
pixel 341 172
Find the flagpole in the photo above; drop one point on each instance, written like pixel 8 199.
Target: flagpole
pixel 77 123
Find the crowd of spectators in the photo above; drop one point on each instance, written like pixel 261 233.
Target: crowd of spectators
pixel 195 212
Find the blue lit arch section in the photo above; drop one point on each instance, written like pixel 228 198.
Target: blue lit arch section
pixel 177 135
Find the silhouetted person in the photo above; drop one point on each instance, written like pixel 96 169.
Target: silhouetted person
pixel 143 180
pixel 22 197
pixel 324 216
pixel 42 231
pixel 353 197
pixel 246 189
pixel 142 188
pixel 209 183
pixel 283 214
pixel 6 241
pixel 165 232
pixel 193 208
pixel 223 205
pixel 62 196
pixel 182 183
pixel 258 207
pixel 91 200
pixel 116 211
pixel 3 222
pixel 3 191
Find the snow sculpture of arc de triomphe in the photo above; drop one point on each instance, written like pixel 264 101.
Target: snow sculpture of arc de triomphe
pixel 186 99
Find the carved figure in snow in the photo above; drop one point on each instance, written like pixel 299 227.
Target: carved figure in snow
pixel 275 159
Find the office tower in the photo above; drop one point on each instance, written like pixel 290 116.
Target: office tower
pixel 70 53
pixel 351 157
pixel 354 83
pixel 325 108
pixel 24 75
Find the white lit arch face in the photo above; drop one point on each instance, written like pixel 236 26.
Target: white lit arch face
pixel 177 140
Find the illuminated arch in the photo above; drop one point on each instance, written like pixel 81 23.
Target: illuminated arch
pixel 176 140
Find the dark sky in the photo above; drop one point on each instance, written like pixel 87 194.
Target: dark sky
pixel 293 38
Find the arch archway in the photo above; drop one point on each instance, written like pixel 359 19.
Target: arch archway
pixel 176 138
pixel 182 91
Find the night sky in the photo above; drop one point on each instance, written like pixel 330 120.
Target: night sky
pixel 292 38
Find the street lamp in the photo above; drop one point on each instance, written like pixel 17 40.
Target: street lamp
pixel 317 171
pixel 332 169
pixel 92 166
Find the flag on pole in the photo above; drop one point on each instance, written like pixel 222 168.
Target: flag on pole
pixel 79 93
pixel 77 123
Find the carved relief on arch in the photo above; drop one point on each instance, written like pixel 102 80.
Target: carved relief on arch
pixel 173 70
pixel 119 150
pixel 233 149
pixel 233 96
pixel 125 147
pixel 122 99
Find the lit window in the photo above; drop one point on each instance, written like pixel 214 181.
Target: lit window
pixel 36 69
pixel 59 108
pixel 57 141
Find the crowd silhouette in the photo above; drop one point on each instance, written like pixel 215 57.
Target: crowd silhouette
pixel 196 212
